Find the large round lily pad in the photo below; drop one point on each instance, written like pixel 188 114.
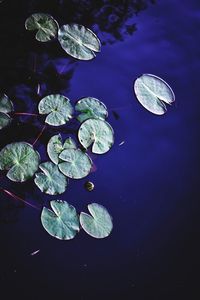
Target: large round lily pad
pixel 62 221
pixel 50 181
pixel 46 26
pixel 6 105
pixel 91 108
pixel 153 93
pixel 99 224
pixel 55 146
pixel 58 108
pixel 21 161
pixel 76 164
pixel 4 120
pixel 97 133
pixel 78 41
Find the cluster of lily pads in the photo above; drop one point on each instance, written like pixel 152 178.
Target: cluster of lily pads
pixel 77 40
pixel 67 161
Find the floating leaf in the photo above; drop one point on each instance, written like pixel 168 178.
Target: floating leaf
pixel 99 225
pixel 50 181
pixel 46 26
pixel 21 161
pixel 78 41
pixel 96 132
pixel 76 165
pixel 4 120
pixel 6 105
pixel 91 108
pixel 62 223
pixel 58 108
pixel 153 92
pixel 55 147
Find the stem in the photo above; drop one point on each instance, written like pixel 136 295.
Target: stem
pixel 25 114
pixel 18 198
pixel 38 89
pixel 39 135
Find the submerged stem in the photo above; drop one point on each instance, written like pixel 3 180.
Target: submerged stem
pixel 39 135
pixel 18 198
pixel 26 114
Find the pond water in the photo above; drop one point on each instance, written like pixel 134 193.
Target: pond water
pixel 148 181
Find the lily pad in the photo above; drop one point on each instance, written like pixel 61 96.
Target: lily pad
pixel 99 225
pixel 4 120
pixel 21 161
pixel 97 133
pixel 153 93
pixel 91 108
pixel 78 41
pixel 6 105
pixel 55 146
pixel 46 26
pixel 58 108
pixel 50 181
pixel 62 221
pixel 76 165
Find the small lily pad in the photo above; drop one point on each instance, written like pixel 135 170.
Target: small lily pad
pixel 99 225
pixel 91 108
pixel 4 120
pixel 76 165
pixel 62 221
pixel 153 93
pixel 97 133
pixel 55 146
pixel 46 26
pixel 58 108
pixel 78 41
pixel 21 161
pixel 6 105
pixel 50 181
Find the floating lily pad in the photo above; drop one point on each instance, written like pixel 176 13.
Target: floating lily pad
pixel 76 165
pixel 46 26
pixel 50 181
pixel 55 147
pixel 58 108
pixel 4 120
pixel 153 93
pixel 97 133
pixel 99 225
pixel 62 221
pixel 91 108
pixel 78 41
pixel 6 105
pixel 21 161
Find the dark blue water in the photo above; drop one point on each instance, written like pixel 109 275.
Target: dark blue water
pixel 150 184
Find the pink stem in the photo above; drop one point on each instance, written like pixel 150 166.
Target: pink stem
pixel 26 114
pixel 39 135
pixel 18 198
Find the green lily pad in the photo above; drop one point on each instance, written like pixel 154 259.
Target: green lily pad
pixel 55 146
pixel 21 161
pixel 91 108
pixel 46 26
pixel 153 93
pixel 76 165
pixel 99 225
pixel 78 41
pixel 62 221
pixel 4 120
pixel 97 133
pixel 58 108
pixel 50 181
pixel 6 105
